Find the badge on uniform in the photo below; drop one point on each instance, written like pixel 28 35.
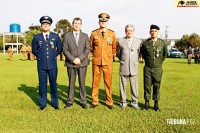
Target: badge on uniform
pixel 109 40
pixel 157 52
pixel 40 42
pixel 132 50
pixel 51 44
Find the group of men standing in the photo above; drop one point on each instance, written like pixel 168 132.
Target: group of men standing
pixel 103 47
pixel 26 51
pixel 193 53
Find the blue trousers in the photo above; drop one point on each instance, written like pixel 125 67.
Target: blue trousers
pixel 43 75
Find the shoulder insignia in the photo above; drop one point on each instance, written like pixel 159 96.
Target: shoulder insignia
pixel 110 30
pixel 95 30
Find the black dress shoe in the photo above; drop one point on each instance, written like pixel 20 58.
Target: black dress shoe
pixel 110 106
pixel 68 105
pixel 93 106
pixel 84 106
pixel 41 108
pixel 56 108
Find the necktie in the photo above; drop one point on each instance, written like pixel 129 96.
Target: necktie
pixel 129 43
pixel 47 39
pixel 76 38
pixel 103 33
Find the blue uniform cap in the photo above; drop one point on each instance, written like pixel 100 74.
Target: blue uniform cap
pixel 46 19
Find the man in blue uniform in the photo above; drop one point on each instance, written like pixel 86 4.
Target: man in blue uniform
pixel 46 46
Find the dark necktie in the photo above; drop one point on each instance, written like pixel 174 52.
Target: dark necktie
pixel 103 33
pixel 47 39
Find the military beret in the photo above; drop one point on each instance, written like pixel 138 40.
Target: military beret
pixel 104 17
pixel 154 27
pixel 46 19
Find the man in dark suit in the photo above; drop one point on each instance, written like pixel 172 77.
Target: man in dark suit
pixel 46 46
pixel 76 48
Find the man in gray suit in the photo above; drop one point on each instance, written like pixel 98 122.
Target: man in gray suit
pixel 127 52
pixel 76 48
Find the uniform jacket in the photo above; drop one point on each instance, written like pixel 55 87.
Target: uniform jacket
pixel 103 49
pixel 72 51
pixel 154 55
pixel 128 56
pixel 46 53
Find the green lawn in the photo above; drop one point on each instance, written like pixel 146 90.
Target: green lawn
pixel 180 99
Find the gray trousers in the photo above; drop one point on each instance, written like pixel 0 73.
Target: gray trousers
pixel 72 72
pixel 133 89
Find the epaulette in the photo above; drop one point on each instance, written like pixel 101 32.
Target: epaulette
pixel 161 40
pixel 37 34
pixel 149 39
pixel 95 30
pixel 111 30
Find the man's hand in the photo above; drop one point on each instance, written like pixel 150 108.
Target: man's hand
pixel 77 61
pixel 90 55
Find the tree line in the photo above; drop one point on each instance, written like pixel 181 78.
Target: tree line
pixel 63 26
pixel 186 41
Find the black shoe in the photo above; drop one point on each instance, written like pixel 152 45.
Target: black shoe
pixel 84 106
pixel 156 107
pixel 41 108
pixel 56 108
pixel 93 106
pixel 146 105
pixel 68 105
pixel 110 106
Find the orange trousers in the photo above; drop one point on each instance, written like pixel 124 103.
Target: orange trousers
pixel 107 75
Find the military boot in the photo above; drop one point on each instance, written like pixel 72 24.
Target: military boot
pixel 146 105
pixel 156 106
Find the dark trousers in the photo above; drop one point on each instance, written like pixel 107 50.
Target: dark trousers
pixel 72 72
pixel 152 76
pixel 52 74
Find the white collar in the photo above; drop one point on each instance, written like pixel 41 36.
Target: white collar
pixel 74 32
pixel 129 38
pixel 44 34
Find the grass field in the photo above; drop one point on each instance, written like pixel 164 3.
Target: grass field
pixel 180 99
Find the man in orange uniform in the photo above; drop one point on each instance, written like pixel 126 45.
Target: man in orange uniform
pixel 10 52
pixel 103 49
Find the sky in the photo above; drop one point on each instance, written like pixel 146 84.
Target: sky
pixel 140 13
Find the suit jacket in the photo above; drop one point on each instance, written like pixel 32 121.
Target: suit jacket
pixel 46 53
pixel 103 49
pixel 128 56
pixel 72 51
